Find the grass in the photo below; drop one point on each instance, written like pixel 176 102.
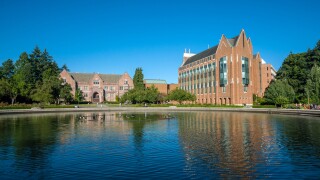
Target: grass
pixel 264 106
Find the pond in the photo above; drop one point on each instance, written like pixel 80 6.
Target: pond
pixel 167 145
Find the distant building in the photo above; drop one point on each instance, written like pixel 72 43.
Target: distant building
pixel 98 87
pixel 162 85
pixel 228 73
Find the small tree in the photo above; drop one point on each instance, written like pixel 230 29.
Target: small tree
pixel 78 95
pixel 181 95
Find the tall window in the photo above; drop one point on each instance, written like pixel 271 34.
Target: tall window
pixel 260 76
pixel 223 71
pixel 245 71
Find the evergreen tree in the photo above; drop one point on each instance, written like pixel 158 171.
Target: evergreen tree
pixel 7 69
pixel 138 79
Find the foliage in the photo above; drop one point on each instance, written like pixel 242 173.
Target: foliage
pixel 296 69
pixel 181 95
pixel 32 78
pixel 313 86
pixel 138 79
pixel 6 70
pixel 279 92
pixel 137 95
pixel 78 95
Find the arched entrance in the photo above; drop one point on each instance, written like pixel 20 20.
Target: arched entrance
pixel 95 97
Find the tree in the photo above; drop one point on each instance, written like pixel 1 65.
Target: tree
pixel 138 79
pixel 152 94
pixel 65 67
pixel 7 69
pixel 296 69
pixel 8 89
pixel 313 85
pixel 181 95
pixel 279 91
pixel 65 92
pixel 24 76
pixel 78 95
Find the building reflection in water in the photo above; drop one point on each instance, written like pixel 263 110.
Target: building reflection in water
pixel 233 143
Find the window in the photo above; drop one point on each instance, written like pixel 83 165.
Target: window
pixel 260 76
pixel 223 71
pixel 245 71
pixel 223 89
pixel 125 81
pixel 96 82
pixel 121 87
pixel 64 80
pixel 111 88
pixel 106 88
pixel 85 88
pixel 245 89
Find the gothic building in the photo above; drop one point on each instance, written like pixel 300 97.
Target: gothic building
pixel 98 87
pixel 228 73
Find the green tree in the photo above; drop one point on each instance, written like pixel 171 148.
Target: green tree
pixel 138 79
pixel 181 95
pixel 78 96
pixel 7 69
pixel 24 76
pixel 152 95
pixel 296 68
pixel 278 91
pixel 65 92
pixel 65 67
pixel 313 85
pixel 8 89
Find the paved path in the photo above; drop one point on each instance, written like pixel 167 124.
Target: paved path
pixel 161 109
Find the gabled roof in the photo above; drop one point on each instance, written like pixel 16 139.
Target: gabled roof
pixel 110 78
pixel 155 81
pixel 233 41
pixel 203 54
pixel 87 77
pixel 81 77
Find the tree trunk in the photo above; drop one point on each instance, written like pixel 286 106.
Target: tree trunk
pixel 12 101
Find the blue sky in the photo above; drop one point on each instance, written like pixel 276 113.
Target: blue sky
pixel 116 36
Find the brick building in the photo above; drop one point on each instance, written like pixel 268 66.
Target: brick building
pixel 98 87
pixel 228 73
pixel 162 85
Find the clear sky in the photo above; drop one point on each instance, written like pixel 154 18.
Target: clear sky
pixel 117 36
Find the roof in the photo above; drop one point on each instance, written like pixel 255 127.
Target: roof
pixel 86 77
pixel 233 41
pixel 203 54
pixel 155 81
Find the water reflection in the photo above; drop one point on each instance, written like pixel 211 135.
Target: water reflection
pixel 248 145
pixel 159 145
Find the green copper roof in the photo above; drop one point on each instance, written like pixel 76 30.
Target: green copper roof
pixel 155 81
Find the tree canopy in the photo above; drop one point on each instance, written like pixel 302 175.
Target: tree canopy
pixel 138 79
pixel 32 78
pixel 181 95
pixel 298 72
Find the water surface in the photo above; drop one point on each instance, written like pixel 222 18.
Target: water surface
pixel 193 145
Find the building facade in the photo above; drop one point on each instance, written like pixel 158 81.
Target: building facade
pixel 98 88
pixel 228 73
pixel 161 85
